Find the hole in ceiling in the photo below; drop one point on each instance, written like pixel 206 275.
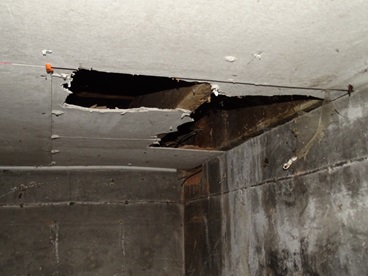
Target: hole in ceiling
pixel 219 122
pixel 95 89
pixel 225 122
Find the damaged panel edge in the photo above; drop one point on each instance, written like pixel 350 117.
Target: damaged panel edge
pixel 233 88
pixel 96 89
pixel 121 111
pixel 210 118
pixel 225 122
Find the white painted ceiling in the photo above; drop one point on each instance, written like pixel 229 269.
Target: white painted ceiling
pixel 245 47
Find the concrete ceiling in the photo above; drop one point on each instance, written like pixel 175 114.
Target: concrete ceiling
pixel 260 47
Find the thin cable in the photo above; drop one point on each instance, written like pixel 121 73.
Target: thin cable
pixel 264 85
pixel 210 80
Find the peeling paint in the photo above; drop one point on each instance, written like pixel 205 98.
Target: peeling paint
pixel 57 113
pixel 122 111
pixel 215 89
pixel 68 80
pixel 230 58
pixel 66 89
pixel 185 115
pixel 46 52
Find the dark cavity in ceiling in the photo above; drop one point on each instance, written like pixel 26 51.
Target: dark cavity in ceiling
pixel 219 122
pixel 92 88
pixel 225 122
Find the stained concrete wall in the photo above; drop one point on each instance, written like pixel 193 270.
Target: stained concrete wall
pixel 90 222
pixel 308 220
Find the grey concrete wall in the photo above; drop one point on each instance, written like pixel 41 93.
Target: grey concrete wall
pixel 308 220
pixel 203 220
pixel 83 222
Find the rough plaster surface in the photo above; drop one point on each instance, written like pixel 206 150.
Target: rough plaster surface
pixel 308 220
pixel 25 117
pixel 281 43
pixel 81 222
pixel 265 42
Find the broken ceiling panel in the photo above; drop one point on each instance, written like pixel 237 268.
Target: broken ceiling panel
pixel 141 123
pixel 106 90
pixel 214 121
pixel 135 123
pixel 103 137
pixel 91 88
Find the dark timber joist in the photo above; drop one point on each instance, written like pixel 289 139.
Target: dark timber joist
pixel 225 129
pixel 225 122
pixel 189 98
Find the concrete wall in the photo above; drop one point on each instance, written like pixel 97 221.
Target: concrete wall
pixel 308 220
pixel 84 222
pixel 244 215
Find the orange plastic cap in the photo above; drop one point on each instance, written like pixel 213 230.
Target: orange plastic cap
pixel 49 69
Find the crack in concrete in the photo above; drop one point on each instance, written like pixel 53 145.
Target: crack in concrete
pixel 54 238
pixel 22 188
